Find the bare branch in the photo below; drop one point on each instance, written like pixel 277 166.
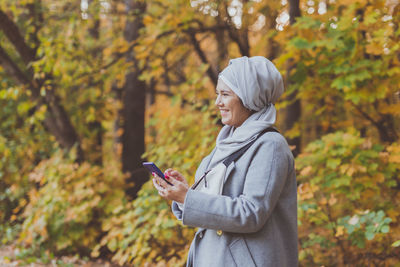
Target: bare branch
pixel 200 53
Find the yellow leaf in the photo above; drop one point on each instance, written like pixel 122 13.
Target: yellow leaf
pixel 306 191
pixel 306 171
pixel 393 214
pixel 323 201
pixel 380 178
pixel 332 200
pixel 23 202
pixel 395 159
pixel 107 52
pixel 147 19
pixel 368 194
pixel 374 48
pixel 339 231
pixel 16 209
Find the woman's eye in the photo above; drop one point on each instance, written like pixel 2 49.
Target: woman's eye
pixel 222 94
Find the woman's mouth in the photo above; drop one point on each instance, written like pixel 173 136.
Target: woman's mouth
pixel 223 112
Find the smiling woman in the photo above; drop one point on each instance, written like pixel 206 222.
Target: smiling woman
pixel 248 216
pixel 230 106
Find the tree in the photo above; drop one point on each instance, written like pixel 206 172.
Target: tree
pixel 134 102
pixel 42 88
pixel 344 50
pixel 292 112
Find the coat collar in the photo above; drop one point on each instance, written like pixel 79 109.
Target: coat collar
pixel 204 165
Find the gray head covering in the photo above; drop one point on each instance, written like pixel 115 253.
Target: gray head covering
pixel 255 80
pixel 258 83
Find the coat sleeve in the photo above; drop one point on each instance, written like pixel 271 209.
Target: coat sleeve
pixel 176 210
pixel 248 212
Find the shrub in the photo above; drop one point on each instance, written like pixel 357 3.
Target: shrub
pixel 66 209
pixel 348 201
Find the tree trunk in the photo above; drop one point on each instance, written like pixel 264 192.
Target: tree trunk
pixel 292 112
pixel 133 106
pixel 273 47
pixel 239 36
pixel 222 42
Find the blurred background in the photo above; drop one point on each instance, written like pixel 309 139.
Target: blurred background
pixel 90 89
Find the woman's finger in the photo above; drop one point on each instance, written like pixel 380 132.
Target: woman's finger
pixel 157 186
pixel 180 178
pixel 161 190
pixel 168 171
pixel 177 175
pixel 161 193
pixel 161 182
pixel 174 180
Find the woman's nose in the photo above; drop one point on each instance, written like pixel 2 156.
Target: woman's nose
pixel 218 101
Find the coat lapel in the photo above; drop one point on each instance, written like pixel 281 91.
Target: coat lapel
pixel 229 169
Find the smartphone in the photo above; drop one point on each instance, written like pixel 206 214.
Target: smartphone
pixel 152 167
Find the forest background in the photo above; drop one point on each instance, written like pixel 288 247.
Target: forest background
pixel 90 89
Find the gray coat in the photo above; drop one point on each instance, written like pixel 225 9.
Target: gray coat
pixel 254 221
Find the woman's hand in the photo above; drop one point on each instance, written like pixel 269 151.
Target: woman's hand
pixel 177 191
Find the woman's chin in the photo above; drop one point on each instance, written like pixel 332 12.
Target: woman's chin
pixel 226 122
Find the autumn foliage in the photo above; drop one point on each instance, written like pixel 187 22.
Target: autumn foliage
pixel 348 198
pixel 72 78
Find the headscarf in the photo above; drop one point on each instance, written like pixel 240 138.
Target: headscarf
pixel 258 83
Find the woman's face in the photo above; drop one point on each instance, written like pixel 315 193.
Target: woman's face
pixel 232 111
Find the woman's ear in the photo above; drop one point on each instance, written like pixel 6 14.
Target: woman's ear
pixel 241 102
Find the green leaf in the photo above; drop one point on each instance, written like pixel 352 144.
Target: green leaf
pixel 369 235
pixel 385 229
pixel 301 43
pixel 332 163
pixel 112 245
pixel 396 244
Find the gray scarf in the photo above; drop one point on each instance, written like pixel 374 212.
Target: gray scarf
pixel 258 83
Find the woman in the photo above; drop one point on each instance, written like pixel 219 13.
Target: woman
pixel 253 222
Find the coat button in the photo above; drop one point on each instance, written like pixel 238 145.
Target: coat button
pixel 219 232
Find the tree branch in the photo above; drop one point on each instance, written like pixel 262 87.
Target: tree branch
pixel 13 34
pixel 365 115
pixel 200 53
pixel 13 70
pixel 193 30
